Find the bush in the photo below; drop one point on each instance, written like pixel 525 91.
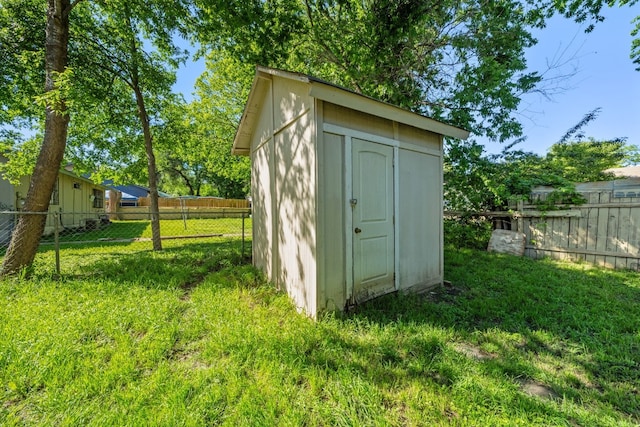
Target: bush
pixel 467 232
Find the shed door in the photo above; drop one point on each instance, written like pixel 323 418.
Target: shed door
pixel 373 228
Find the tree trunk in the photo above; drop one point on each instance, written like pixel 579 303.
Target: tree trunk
pixel 27 233
pixel 151 167
pixel 148 138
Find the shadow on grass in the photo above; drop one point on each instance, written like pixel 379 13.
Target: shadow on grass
pixel 518 311
pixel 114 230
pixel 504 322
pixel 183 265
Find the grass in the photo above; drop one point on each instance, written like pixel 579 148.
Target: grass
pixel 193 336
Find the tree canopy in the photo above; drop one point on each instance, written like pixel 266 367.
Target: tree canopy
pixel 475 181
pixel 98 75
pixel 195 139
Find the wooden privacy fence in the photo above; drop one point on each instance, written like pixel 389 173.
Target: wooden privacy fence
pixel 604 231
pixel 199 202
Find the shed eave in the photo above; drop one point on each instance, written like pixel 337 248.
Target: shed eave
pixel 242 140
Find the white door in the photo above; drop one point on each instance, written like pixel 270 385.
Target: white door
pixel 373 228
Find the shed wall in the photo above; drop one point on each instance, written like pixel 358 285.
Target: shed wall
pixel 264 126
pixel 284 191
pixel 291 101
pixel 295 212
pixel 419 195
pixel 420 219
pixel 262 208
pixel 419 137
pixel 352 119
pixel 331 236
pixel 300 150
pixel 262 183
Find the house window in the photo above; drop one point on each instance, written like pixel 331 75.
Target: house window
pixel 55 195
pixel 98 198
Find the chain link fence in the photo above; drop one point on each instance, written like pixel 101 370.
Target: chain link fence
pixel 67 230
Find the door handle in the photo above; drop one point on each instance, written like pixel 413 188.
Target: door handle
pixel 357 230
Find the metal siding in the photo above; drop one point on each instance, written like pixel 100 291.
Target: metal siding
pixel 419 219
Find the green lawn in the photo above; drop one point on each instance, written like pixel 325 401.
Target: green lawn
pixel 191 336
pixel 141 229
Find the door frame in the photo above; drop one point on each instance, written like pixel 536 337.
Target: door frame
pixel 349 134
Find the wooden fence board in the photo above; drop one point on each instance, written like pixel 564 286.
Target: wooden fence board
pixel 603 222
pixel 581 232
pixel 604 231
pixel 200 202
pixel 565 236
pixel 634 230
pixel 592 227
pixel 622 237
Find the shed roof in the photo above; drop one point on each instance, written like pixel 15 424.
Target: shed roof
pixel 329 92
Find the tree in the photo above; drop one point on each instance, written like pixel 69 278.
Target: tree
pixel 22 41
pixel 461 62
pixel 588 160
pixel 478 182
pixel 196 138
pixel 184 152
pixel 591 10
pixel 26 235
pixel 67 87
pixel 114 39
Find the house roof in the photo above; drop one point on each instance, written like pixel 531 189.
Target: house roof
pixel 132 191
pixel 626 172
pixel 81 178
pixel 332 93
pixel 68 172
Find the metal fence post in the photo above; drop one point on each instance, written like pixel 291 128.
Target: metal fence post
pixel 56 233
pixel 242 247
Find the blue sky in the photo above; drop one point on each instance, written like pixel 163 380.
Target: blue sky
pixel 604 77
pixel 600 72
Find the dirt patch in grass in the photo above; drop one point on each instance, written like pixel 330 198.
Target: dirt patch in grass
pixel 445 293
pixel 536 389
pixel 473 352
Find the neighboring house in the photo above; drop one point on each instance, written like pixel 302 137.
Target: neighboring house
pixel 625 172
pixel 79 200
pixel 130 193
pixel 346 191
pixel 7 203
pixel 7 194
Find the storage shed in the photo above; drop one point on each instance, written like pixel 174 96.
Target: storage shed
pixel 346 191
